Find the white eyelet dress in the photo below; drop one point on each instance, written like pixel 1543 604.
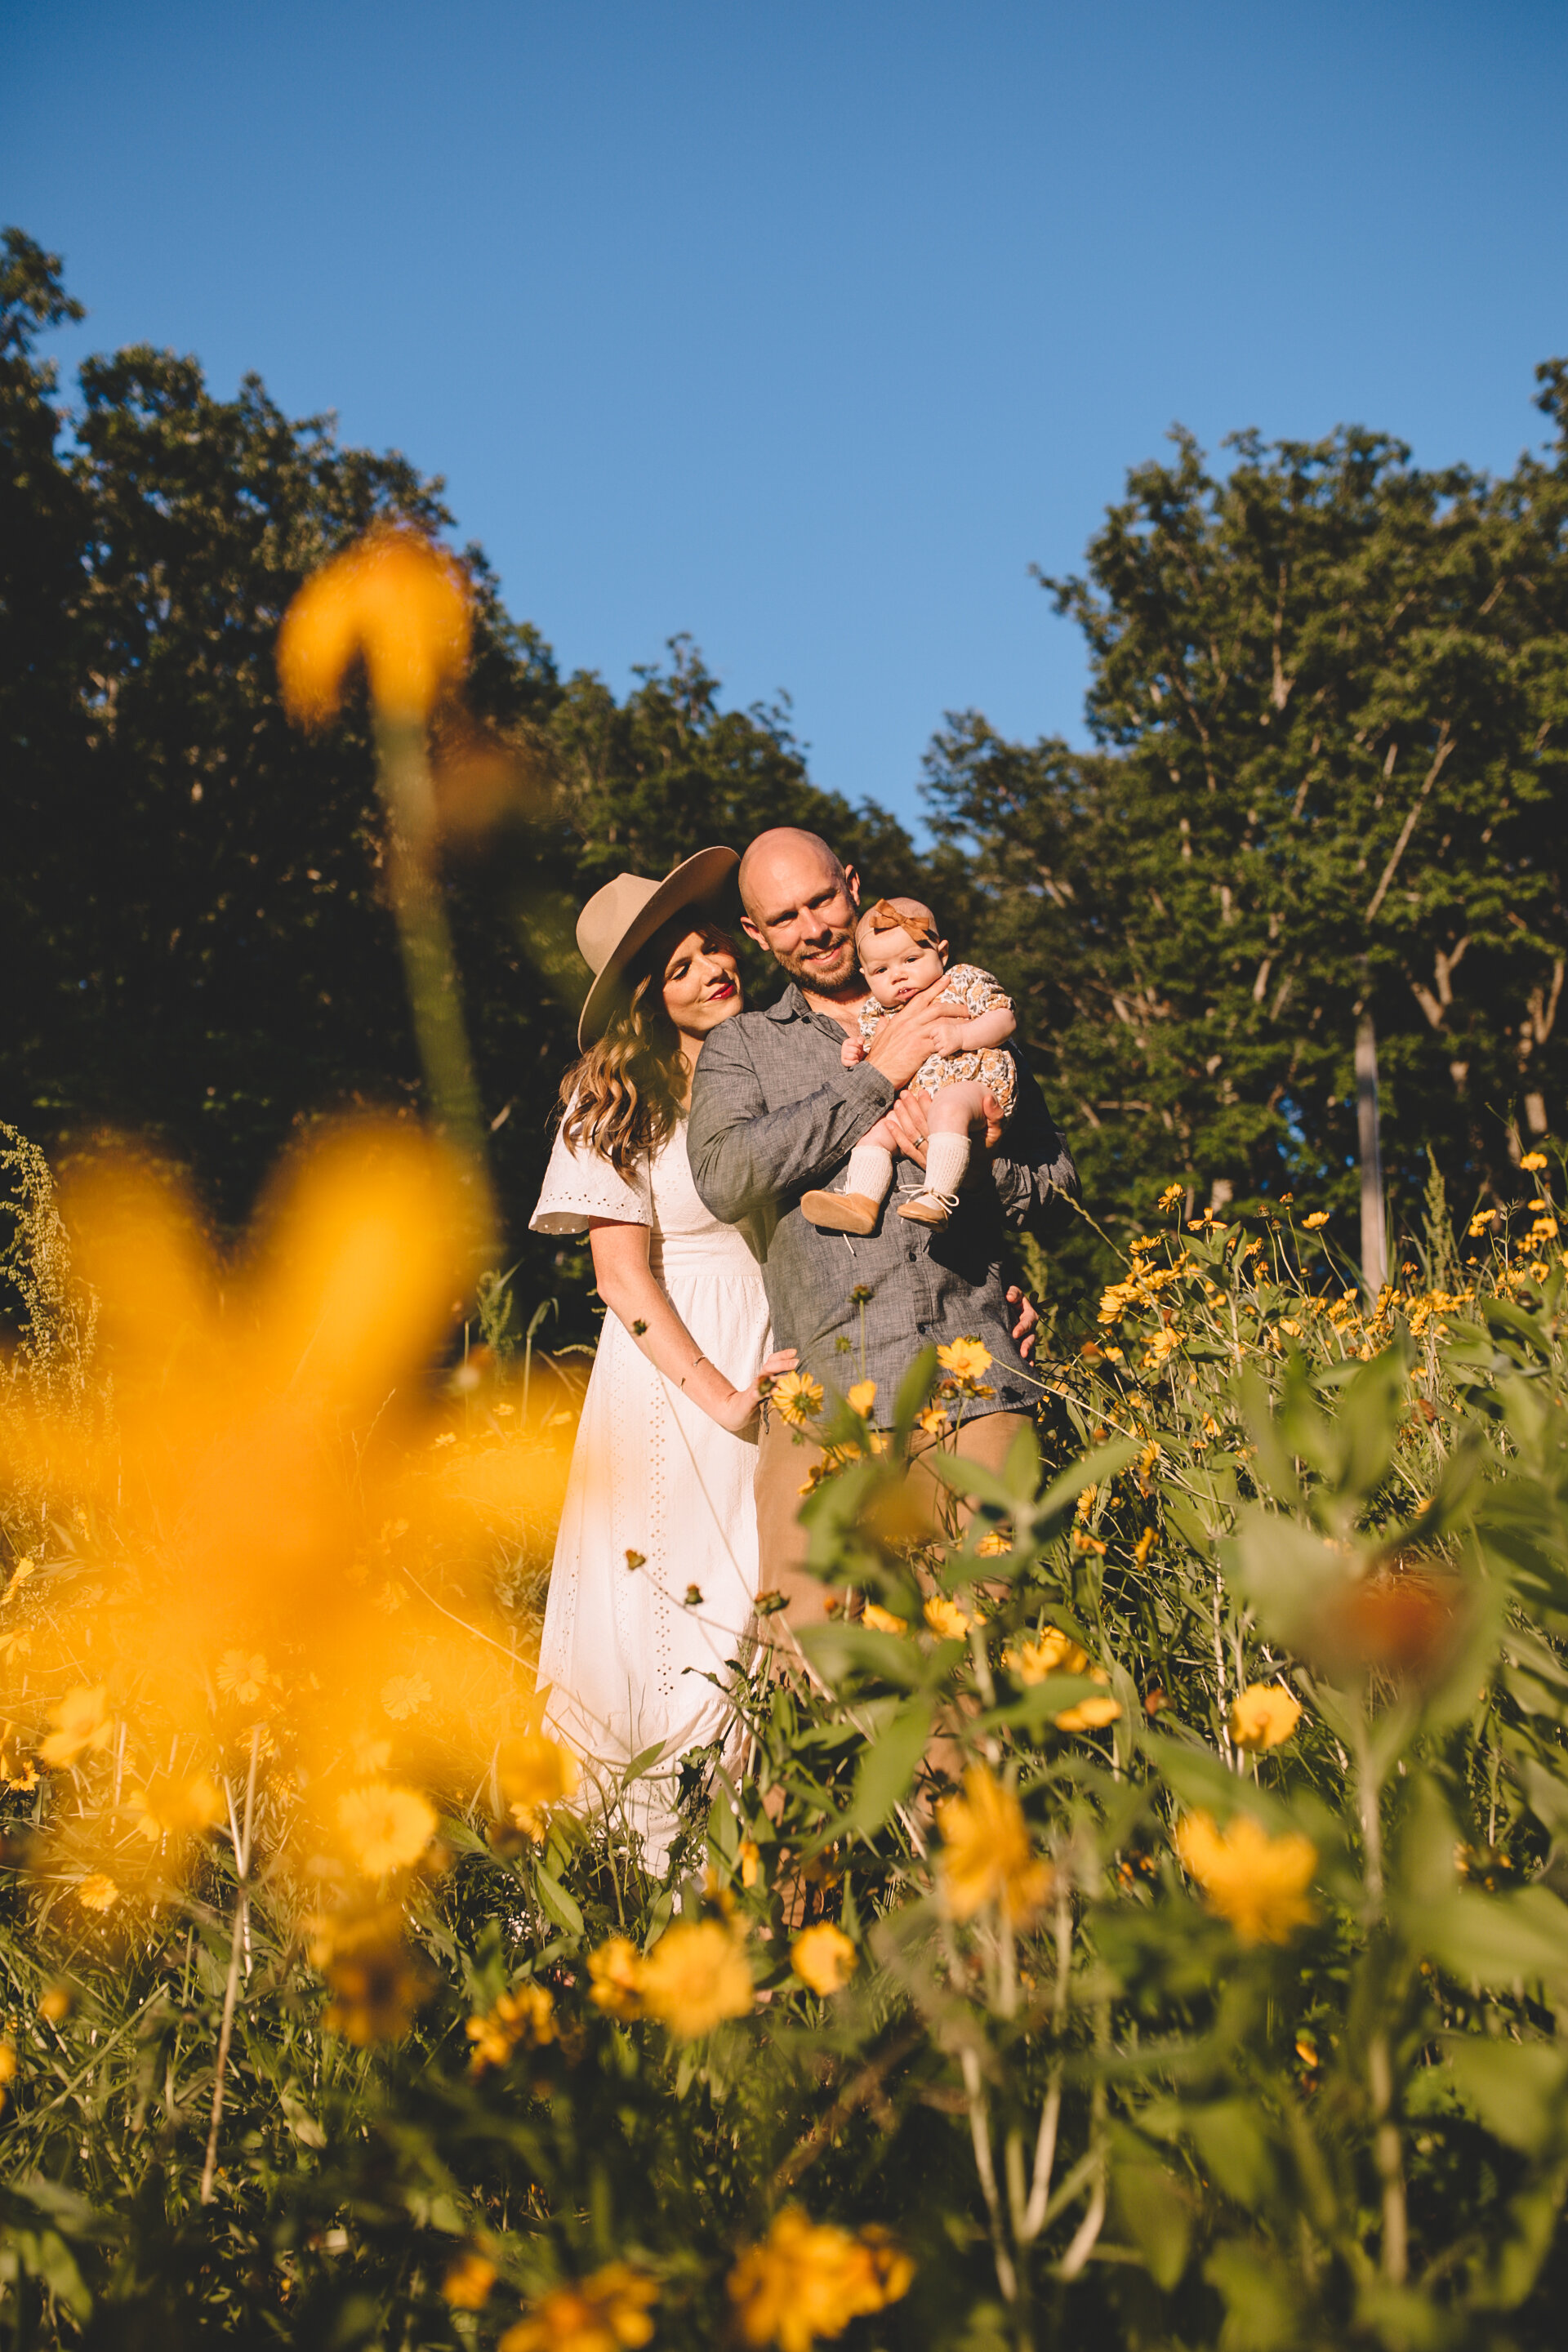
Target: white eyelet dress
pixel 624 1655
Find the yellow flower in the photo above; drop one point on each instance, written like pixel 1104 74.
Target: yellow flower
pixel 1143 1546
pixel 1264 1716
pixel 535 1772
pixel 54 2004
pixel 1288 1325
pixel 181 1808
pixel 1169 1197
pixel 243 1675
pixel 862 1397
pixel 994 1544
pixel 1053 1653
pixel 615 1969
pixel 606 2313
pixel 376 1982
pixel 882 1621
pixel 97 1892
pixel 81 1723
pixel 1256 1881
pixel 946 1618
pixel 798 1397
pixel 526 2014
pixel 824 1957
pixel 1088 1715
pixel 16 1770
pixel 695 1975
pixel 809 2279
pixel 394 599
pixel 386 1828
pixel 934 1420
pixel 750 1862
pixel 7 2069
pixel 965 1361
pixel 1319 1217
pixel 1532 1162
pixel 403 1695
pixel 468 2280
pixel 987 1856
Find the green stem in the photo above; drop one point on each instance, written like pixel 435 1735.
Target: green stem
pixel 435 996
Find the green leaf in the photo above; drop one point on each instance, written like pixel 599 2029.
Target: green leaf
pixel 1233 2148
pixel 836 1652
pixel 1152 2210
pixel 1519 2089
pixel 886 1768
pixel 1494 1939
pixel 556 1902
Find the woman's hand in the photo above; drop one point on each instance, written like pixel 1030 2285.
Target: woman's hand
pixel 1026 1327
pixel 739 1408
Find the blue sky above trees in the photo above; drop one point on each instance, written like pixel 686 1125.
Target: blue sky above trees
pixel 807 328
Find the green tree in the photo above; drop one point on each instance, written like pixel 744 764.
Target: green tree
pixel 1328 693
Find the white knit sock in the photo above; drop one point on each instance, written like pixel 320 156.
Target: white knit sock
pixel 947 1159
pixel 870 1171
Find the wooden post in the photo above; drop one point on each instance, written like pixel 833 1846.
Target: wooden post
pixel 1374 1253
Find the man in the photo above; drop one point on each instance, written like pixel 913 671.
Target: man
pixel 775 1112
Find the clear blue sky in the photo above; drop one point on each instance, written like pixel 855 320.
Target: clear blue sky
pixel 805 325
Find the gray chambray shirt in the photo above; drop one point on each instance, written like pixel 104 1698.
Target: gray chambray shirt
pixel 775 1113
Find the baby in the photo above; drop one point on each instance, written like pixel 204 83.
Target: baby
pixel 905 964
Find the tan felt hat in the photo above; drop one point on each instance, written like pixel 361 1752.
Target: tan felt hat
pixel 624 915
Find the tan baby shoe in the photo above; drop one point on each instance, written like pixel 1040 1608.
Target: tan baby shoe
pixel 928 1208
pixel 841 1213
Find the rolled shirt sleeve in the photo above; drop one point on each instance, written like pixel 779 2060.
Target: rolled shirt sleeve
pixel 745 1158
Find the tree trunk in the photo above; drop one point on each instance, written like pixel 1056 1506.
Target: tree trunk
pixel 1374 1253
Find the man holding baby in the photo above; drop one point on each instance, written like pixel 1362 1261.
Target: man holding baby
pixel 781 1097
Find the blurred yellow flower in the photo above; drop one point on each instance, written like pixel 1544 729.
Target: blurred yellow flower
pixel 1052 1654
pixel 54 2004
pixel 468 2280
pixel 616 1974
pixel 965 1361
pixel 1169 1197
pixel 1319 1217
pixel 386 1828
pixel 750 1860
pixel 176 1808
pixel 797 1397
pixel 376 1983
pixel 824 1957
pixel 82 1724
pixel 994 1544
pixel 395 600
pixel 1089 1713
pixel 535 1772
pixel 527 2014
pixel 403 1695
pixel 862 1397
pixel 809 2280
pixel 1256 1881
pixel 695 1975
pixel 606 2313
pixel 934 1420
pixel 97 1892
pixel 1264 1716
pixel 8 2070
pixel 882 1621
pixel 1532 1162
pixel 947 1619
pixel 987 1856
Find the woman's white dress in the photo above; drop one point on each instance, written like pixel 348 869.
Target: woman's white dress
pixel 624 1653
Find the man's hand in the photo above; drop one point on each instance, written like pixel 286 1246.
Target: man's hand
pixel 1025 1328
pixel 904 1040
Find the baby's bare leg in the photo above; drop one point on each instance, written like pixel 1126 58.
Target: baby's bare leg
pixel 955 1109
pixel 881 1138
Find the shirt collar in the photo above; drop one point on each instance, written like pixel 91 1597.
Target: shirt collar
pixel 791 1006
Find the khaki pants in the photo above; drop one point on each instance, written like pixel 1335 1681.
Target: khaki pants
pixel 782 1468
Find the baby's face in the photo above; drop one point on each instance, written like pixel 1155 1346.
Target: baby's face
pixel 897 967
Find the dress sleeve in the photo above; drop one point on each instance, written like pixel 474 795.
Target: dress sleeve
pixel 583 1184
pixel 980 992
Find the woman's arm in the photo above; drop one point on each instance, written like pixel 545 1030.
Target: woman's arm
pixel 629 1289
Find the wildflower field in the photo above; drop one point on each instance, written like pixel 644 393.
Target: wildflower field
pixel 1140 1920
pixel 1141 1924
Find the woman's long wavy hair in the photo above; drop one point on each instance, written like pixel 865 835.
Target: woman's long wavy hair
pixel 622 1098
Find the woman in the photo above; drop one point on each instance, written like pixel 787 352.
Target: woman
pixel 655 1573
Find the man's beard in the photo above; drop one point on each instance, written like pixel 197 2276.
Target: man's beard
pixel 842 978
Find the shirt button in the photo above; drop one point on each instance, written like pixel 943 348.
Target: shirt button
pixel 911 1256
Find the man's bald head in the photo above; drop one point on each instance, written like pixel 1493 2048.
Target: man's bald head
pixel 784 854
pixel 800 903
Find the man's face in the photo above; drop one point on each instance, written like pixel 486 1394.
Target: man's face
pixel 803 911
